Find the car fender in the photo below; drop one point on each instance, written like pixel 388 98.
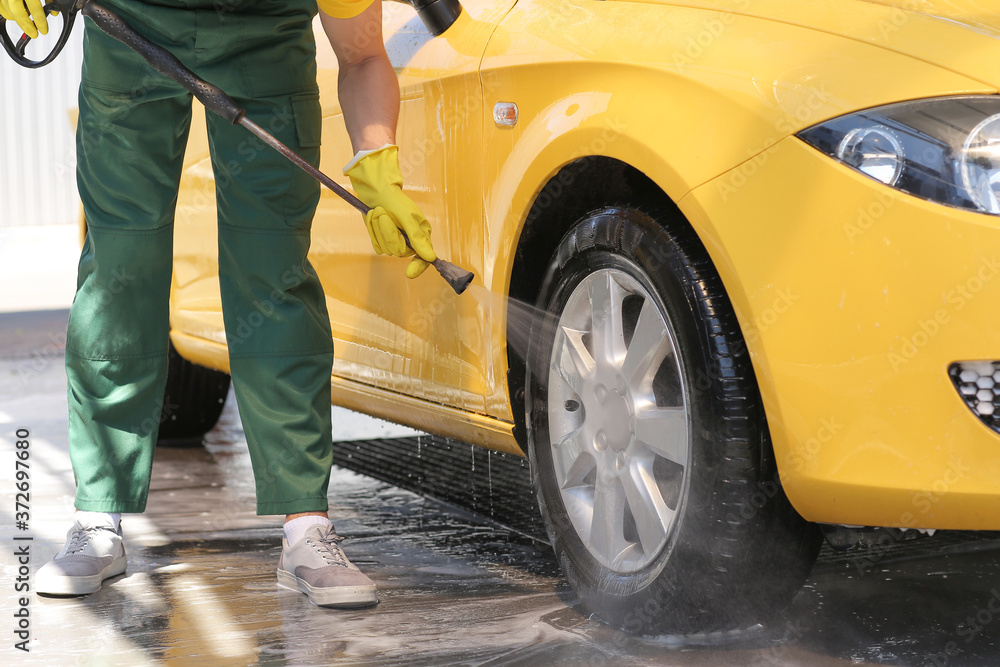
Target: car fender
pixel 583 86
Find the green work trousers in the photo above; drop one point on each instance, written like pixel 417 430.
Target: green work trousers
pixel 132 132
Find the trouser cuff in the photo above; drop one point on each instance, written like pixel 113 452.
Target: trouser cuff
pixel 121 506
pixel 294 506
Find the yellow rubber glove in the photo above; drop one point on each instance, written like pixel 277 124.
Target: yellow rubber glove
pixel 28 14
pixel 376 178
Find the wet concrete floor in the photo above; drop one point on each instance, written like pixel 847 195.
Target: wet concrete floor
pixel 455 588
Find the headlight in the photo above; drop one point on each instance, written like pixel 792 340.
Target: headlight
pixel 945 150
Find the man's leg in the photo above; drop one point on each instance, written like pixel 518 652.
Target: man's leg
pixel 130 148
pixel 277 326
pixel 130 140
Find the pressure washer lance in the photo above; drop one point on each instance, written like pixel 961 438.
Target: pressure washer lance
pixel 219 102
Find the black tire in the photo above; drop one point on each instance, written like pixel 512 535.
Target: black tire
pixel 724 562
pixel 192 401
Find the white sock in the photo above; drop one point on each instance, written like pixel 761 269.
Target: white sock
pixel 98 518
pixel 296 529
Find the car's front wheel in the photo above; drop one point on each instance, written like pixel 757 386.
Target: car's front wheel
pixel 647 436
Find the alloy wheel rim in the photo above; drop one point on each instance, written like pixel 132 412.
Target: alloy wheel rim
pixel 618 419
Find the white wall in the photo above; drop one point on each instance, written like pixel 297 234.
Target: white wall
pixel 37 150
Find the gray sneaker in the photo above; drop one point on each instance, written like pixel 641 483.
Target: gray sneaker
pixel 317 566
pixel 91 555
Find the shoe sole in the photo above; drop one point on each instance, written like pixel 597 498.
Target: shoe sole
pixel 80 585
pixel 344 597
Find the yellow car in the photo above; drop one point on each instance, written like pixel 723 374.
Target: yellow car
pixel 765 234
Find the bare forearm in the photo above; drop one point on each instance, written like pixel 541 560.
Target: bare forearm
pixel 369 96
pixel 369 91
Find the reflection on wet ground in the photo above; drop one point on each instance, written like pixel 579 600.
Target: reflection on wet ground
pixel 455 588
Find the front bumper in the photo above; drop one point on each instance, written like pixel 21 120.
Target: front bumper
pixel 855 300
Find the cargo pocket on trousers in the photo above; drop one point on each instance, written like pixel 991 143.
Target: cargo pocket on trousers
pixel 303 191
pixel 308 119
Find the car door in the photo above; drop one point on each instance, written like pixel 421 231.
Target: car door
pixel 415 337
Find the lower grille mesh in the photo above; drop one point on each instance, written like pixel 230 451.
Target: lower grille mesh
pixel 978 383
